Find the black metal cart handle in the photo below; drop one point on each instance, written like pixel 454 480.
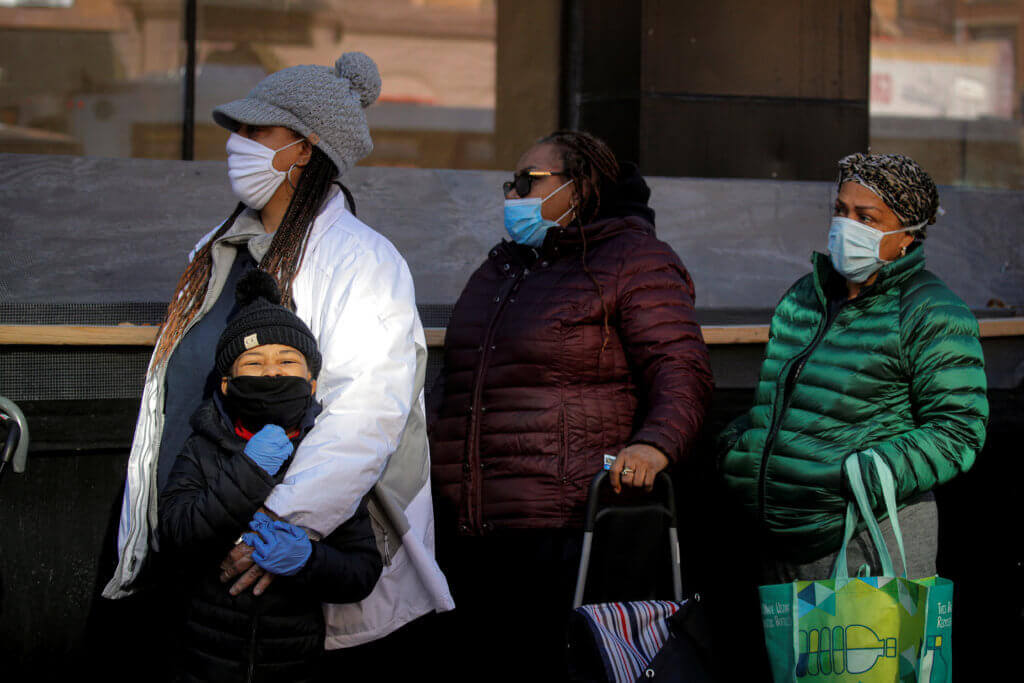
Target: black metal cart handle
pixel 662 483
pixel 667 506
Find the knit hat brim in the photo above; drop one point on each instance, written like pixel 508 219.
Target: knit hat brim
pixel 253 112
pixel 261 320
pixel 264 327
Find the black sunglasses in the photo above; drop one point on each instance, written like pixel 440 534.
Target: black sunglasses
pixel 523 181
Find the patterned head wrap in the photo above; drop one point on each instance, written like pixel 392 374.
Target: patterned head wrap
pixel 899 181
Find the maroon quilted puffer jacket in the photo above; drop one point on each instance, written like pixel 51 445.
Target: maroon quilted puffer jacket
pixel 536 390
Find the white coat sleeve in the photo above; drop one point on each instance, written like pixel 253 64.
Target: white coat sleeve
pixel 363 314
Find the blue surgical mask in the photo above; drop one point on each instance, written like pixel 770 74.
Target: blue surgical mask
pixel 853 247
pixel 524 221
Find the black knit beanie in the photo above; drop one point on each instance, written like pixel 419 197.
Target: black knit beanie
pixel 261 319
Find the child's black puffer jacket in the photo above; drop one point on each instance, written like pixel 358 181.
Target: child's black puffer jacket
pixel 213 492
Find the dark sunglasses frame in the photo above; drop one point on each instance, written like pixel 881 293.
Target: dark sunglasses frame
pixel 523 181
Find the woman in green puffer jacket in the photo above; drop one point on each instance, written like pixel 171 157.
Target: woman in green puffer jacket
pixel 870 351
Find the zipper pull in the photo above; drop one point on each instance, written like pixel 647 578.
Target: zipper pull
pixel 387 549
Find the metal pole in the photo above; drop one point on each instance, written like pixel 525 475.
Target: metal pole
pixel 581 576
pixel 572 63
pixel 188 124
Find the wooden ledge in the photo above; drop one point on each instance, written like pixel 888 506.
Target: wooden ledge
pixel 145 335
pixel 1001 327
pixel 78 335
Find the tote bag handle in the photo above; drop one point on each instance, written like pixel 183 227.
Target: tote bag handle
pixel 852 467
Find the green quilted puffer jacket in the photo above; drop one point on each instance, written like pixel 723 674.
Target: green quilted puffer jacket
pixel 899 369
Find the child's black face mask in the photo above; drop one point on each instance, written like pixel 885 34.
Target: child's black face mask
pixel 259 401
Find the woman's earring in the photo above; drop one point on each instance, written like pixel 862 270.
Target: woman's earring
pixel 903 251
pixel 288 177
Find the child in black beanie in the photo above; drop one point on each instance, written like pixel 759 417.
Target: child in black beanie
pixel 242 441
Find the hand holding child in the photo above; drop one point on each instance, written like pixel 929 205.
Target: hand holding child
pixel 280 547
pixel 239 566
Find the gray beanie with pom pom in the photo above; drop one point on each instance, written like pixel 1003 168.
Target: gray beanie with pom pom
pixel 322 104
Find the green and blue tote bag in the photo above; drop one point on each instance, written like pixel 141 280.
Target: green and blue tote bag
pixel 868 629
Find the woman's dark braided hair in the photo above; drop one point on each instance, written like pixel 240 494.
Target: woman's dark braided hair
pixel 282 260
pixel 590 163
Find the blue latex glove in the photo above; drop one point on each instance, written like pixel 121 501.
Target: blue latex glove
pixel 269 448
pixel 260 523
pixel 280 547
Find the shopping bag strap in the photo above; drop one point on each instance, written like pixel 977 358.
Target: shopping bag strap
pixel 888 482
pixel 841 570
pixel 885 478
pixel 860 494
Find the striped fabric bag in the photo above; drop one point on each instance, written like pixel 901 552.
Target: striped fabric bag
pixel 628 635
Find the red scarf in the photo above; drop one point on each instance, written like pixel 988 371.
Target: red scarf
pixel 246 434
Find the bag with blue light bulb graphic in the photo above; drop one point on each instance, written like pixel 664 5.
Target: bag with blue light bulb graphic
pixel 866 629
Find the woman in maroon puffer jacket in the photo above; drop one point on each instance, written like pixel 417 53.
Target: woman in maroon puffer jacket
pixel 575 339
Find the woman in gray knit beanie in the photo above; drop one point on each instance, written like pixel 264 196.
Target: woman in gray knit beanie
pixel 292 137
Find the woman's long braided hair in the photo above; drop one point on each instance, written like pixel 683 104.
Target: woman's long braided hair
pixel 591 165
pixel 282 260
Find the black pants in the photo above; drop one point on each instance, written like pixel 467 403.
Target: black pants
pixel 513 594
pixel 408 654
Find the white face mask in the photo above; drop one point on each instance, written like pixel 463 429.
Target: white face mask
pixel 853 247
pixel 254 179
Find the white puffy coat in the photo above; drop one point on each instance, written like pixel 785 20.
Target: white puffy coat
pixel 355 292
